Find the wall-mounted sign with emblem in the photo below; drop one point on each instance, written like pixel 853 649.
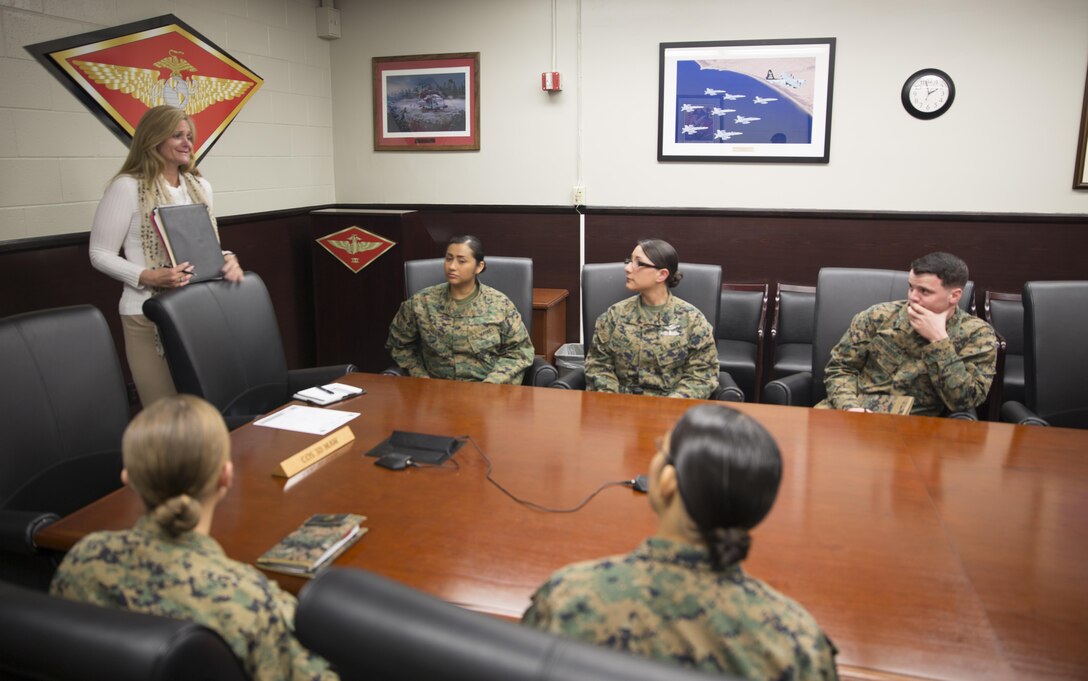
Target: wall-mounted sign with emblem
pixel 355 247
pixel 121 72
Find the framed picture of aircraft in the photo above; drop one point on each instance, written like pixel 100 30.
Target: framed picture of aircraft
pixel 119 73
pixel 1080 176
pixel 754 101
pixel 427 102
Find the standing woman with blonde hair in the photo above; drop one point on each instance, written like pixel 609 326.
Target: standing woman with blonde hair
pixel 177 458
pixel 159 170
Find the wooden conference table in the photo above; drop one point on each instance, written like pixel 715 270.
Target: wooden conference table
pixel 926 548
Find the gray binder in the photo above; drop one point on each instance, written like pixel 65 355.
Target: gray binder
pixel 188 236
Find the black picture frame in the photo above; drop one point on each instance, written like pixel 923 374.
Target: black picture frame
pixel 773 96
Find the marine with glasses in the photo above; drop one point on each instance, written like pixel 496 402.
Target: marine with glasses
pixel 653 343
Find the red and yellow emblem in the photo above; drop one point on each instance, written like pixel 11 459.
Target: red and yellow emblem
pixel 128 74
pixel 355 247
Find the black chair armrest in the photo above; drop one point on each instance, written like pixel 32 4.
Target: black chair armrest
pixel 574 380
pixel 793 390
pixel 1015 412
pixel 964 415
pixel 300 379
pixel 541 374
pixel 48 637
pixel 17 529
pixel 727 390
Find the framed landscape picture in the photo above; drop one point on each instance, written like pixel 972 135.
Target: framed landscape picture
pixel 763 101
pixel 427 102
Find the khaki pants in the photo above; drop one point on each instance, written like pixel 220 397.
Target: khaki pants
pixel 149 370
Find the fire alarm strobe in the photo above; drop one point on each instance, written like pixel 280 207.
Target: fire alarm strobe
pixel 549 81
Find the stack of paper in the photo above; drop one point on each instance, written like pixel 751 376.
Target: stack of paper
pixel 328 393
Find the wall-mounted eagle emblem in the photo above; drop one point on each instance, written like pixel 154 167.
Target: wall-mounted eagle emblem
pixel 193 93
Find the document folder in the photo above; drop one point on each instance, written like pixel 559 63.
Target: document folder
pixel 188 236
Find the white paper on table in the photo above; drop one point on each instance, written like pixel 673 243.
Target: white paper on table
pixel 307 419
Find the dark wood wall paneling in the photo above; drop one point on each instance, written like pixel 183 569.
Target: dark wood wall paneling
pixel 1003 251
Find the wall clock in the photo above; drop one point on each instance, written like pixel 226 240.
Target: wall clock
pixel 928 93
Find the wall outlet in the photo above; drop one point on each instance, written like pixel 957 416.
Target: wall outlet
pixel 579 195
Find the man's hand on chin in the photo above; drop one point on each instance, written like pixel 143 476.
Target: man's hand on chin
pixel 930 325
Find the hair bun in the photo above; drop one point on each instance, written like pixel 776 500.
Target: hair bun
pixel 674 279
pixel 177 514
pixel 728 546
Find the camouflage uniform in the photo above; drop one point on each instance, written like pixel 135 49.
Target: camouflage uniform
pixel 665 602
pixel 881 354
pixel 482 340
pixel 190 578
pixel 667 352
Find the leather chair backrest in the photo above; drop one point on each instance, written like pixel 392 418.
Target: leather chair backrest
pixel 223 343
pixel 740 313
pixel 841 293
pixel 796 316
pixel 1007 318
pixel 370 627
pixel 511 276
pixel 63 409
pixel 701 286
pixel 1056 352
pixel 604 285
pixel 44 637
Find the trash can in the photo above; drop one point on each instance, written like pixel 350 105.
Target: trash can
pixel 570 356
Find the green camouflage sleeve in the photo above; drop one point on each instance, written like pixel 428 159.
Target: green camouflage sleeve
pixel 516 353
pixel 700 372
pixel 538 615
pixel 280 655
pixel 403 343
pixel 848 358
pixel 600 364
pixel 963 378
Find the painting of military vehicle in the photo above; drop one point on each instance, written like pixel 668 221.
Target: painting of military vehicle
pixel 422 103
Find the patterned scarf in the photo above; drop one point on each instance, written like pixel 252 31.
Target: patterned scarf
pixel 154 194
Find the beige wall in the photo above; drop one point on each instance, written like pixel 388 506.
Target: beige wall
pixel 55 158
pixel 1007 145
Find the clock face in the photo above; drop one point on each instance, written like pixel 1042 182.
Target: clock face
pixel 928 93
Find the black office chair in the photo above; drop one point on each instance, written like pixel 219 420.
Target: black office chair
pixel 44 637
pixel 370 627
pixel 1005 312
pixel 841 293
pixel 222 343
pixel 792 329
pixel 511 276
pixel 742 316
pixel 1055 356
pixel 603 285
pixel 63 409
